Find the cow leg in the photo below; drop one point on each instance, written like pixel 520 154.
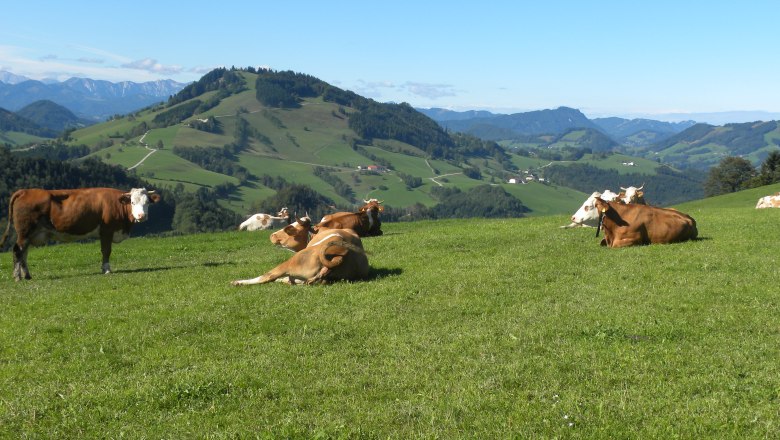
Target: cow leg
pixel 320 275
pixel 20 262
pixel 105 250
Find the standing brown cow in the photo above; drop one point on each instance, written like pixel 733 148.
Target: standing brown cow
pixel 41 215
pixel 628 225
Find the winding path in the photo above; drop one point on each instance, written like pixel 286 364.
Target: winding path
pixel 151 151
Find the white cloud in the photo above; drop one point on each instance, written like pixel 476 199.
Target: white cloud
pixel 430 91
pixel 151 65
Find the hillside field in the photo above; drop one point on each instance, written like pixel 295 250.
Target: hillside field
pixel 466 329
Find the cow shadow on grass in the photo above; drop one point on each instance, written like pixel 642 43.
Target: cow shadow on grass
pixel 165 268
pixel 377 273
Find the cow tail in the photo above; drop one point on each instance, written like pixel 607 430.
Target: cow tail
pixel 10 216
pixel 341 243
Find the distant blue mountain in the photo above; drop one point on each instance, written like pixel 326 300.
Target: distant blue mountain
pixel 90 99
pixel 487 125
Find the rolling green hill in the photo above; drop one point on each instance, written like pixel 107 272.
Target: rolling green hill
pixel 233 128
pixel 703 146
pixel 321 128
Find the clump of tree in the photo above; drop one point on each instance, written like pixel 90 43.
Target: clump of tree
pixel 176 114
pixel 341 188
pixel 285 89
pixel 403 123
pixel 222 79
pixel 730 175
pixel 666 187
pixel 201 212
pixel 736 173
pixel 410 181
pixel 210 125
pixel 482 201
pixel 56 151
pixel 219 160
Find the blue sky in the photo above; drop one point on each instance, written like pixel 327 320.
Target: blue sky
pixel 606 58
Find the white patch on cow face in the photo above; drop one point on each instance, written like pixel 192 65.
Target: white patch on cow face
pixel 139 204
pixel 587 214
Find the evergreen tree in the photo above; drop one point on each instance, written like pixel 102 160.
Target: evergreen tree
pixel 730 175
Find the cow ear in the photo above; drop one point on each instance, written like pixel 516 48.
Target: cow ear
pixel 154 197
pixel 124 198
pixel 381 208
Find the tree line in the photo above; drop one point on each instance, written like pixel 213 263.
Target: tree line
pixel 735 173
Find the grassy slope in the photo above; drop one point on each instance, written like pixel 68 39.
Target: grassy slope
pixel 316 134
pixel 514 328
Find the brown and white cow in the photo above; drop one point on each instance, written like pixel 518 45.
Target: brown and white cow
pixel 632 224
pixel 587 215
pixel 772 201
pixel 266 221
pixel 339 255
pixel 365 221
pixel 299 235
pixel 40 216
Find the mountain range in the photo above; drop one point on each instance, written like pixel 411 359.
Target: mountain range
pixel 89 99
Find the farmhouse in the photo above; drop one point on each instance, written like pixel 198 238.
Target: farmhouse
pixel 374 168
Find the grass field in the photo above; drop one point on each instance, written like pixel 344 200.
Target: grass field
pixel 466 329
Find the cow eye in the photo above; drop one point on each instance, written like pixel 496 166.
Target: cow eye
pixel 587 208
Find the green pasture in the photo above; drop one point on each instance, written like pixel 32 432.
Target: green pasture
pixel 544 200
pixel 465 329
pixel 19 138
pixel 165 167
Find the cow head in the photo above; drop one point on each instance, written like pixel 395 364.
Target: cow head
pixel 632 194
pixel 284 213
pixel 139 200
pixel 587 214
pixel 372 205
pixel 295 236
pixel 609 196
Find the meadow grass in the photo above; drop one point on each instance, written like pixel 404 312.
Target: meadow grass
pixel 466 329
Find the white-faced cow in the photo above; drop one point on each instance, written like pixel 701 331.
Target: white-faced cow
pixel 587 216
pixel 633 194
pixel 365 222
pixel 330 259
pixel 40 216
pixel 632 224
pixel 266 221
pixel 772 201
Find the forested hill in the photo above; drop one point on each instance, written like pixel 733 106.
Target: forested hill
pixel 12 122
pixel 702 145
pixel 537 122
pixel 51 115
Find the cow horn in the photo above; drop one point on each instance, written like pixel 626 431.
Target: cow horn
pixel 150 192
pixel 622 188
pixel 365 201
pixel 643 185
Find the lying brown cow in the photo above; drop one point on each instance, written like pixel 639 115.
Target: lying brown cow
pixel 365 222
pixel 337 255
pixel 40 215
pixel 628 225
